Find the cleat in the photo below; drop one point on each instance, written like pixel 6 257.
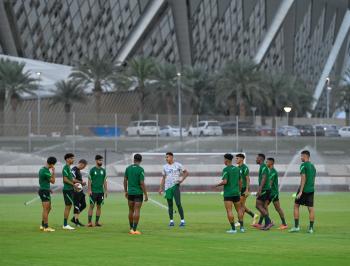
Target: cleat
pixel 131 232
pixel 257 226
pixel 68 227
pixel 98 224
pixel 310 230
pixel 90 224
pixel 294 230
pixel 74 221
pixel 49 229
pixel 79 224
pixel 237 224
pixel 267 227
pixel 255 219
pixel 242 230
pixel 182 224
pixel 231 231
pixel 41 228
pixel 137 233
pixel 171 224
pixel 283 227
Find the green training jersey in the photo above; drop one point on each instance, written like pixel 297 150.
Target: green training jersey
pixel 263 170
pixel 44 178
pixel 97 177
pixel 273 177
pixel 243 173
pixel 309 170
pixel 231 174
pixel 135 174
pixel 67 173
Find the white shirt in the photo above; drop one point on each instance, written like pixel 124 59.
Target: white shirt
pixel 172 173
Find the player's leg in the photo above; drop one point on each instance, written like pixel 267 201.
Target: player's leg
pixel 240 212
pixel 68 201
pixel 177 197
pixel 91 209
pixel 136 216
pixel 261 219
pixel 230 217
pixel 76 209
pixel 296 227
pixel 100 198
pixel 277 205
pixel 45 214
pixel 245 208
pixel 171 211
pixel 131 204
pixel 82 206
pixel 311 218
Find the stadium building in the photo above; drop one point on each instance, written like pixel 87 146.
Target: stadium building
pixel 309 38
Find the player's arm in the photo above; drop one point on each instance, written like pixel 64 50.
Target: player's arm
pixel 89 186
pixel 75 180
pixel 53 176
pixel 223 181
pixel 302 184
pixel 105 187
pixel 184 175
pixel 126 186
pixel 263 181
pixel 161 186
pixel 247 178
pixel 143 186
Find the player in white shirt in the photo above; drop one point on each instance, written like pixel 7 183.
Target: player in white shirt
pixel 173 175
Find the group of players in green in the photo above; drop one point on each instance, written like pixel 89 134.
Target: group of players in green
pixel 235 182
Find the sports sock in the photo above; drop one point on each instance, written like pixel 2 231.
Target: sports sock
pixel 46 225
pixel 134 226
pixel 131 225
pixel 42 223
pixel 283 221
pixel 261 220
pixel 311 225
pixel 296 222
pixel 241 223
pixel 233 225
pixel 97 218
pixel 182 221
pixel 267 220
pixel 250 213
pixel 89 218
pixel 181 211
pixel 65 222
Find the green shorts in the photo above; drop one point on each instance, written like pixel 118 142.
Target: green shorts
pixel 68 197
pixel 170 192
pixel 274 198
pixel 44 195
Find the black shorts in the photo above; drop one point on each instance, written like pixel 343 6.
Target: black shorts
pixel 233 199
pixel 135 198
pixel 44 195
pixel 243 190
pixel 97 198
pixel 68 197
pixel 265 195
pixel 306 199
pixel 274 198
pixel 79 201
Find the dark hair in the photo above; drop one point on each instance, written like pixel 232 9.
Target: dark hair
pixel 261 155
pixel 240 155
pixel 51 160
pixel 169 153
pixel 271 159
pixel 228 156
pixel 138 157
pixel 83 161
pixel 98 157
pixel 68 156
pixel 306 152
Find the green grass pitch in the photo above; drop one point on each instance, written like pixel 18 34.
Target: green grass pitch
pixel 202 242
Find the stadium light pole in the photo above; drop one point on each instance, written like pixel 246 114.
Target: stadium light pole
pixel 328 95
pixel 287 109
pixel 179 102
pixel 38 101
pixel 253 108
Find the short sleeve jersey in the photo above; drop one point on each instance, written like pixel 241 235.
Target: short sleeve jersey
pixel 263 170
pixel 66 171
pixel 309 170
pixel 172 173
pixel 231 174
pixel 97 177
pixel 243 173
pixel 273 177
pixel 44 178
pixel 135 174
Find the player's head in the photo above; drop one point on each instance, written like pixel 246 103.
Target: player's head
pixel 228 157
pixel 270 162
pixel 99 160
pixel 169 157
pixel 240 158
pixel 137 158
pixel 51 161
pixel 82 164
pixel 305 156
pixel 69 158
pixel 260 158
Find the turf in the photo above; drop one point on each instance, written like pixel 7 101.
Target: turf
pixel 202 242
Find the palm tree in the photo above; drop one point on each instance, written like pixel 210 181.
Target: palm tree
pixel 342 95
pixel 97 72
pixel 68 93
pixel 165 88
pixel 138 75
pixel 13 82
pixel 238 80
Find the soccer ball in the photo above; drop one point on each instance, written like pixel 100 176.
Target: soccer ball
pixel 78 187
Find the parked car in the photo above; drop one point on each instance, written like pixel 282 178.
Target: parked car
pixel 265 131
pixel 344 132
pixel 288 131
pixel 171 131
pixel 143 128
pixel 244 128
pixel 326 130
pixel 306 130
pixel 206 128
